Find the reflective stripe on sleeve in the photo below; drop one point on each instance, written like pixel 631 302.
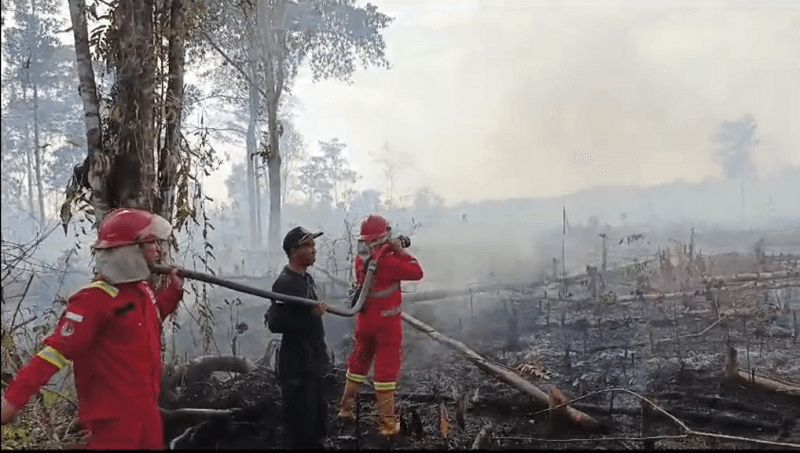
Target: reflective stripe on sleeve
pixel 111 290
pixel 384 386
pixel 356 377
pixel 54 357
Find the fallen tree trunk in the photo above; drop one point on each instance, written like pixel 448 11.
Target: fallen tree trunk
pixel 430 296
pixel 751 379
pixel 750 277
pixel 578 418
pixel 178 421
pixel 697 292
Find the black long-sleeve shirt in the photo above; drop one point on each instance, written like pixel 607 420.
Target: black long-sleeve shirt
pixel 303 350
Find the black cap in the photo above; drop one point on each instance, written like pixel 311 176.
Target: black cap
pixel 297 236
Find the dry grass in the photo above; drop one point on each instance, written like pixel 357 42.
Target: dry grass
pixel 48 422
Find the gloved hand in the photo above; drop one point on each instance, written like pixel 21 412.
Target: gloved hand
pixel 405 241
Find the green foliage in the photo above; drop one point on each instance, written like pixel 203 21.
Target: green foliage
pixel 204 307
pixel 635 270
pixel 16 437
pixel 607 299
pixel 327 177
pixel 639 273
pixel 43 423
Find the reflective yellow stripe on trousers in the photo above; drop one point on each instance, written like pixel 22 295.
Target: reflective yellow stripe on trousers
pixel 356 377
pixel 385 386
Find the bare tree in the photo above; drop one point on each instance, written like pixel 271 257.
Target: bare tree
pixel 737 142
pixel 393 163
pixel 329 35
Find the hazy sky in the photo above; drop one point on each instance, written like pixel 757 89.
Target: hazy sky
pixel 491 98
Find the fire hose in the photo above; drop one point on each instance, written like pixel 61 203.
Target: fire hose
pixel 509 377
pixel 340 311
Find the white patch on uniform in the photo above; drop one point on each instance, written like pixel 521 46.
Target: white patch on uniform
pixel 73 316
pixel 150 294
pixel 67 329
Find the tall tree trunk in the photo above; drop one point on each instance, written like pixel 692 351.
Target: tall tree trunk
pixel 136 91
pixel 251 150
pixel 275 42
pixel 256 172
pixel 28 159
pixel 168 158
pixel 259 222
pixel 274 164
pixel 97 163
pixel 605 256
pixel 29 168
pixel 37 150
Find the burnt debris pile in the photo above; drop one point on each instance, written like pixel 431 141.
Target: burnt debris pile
pixel 220 403
pixel 223 402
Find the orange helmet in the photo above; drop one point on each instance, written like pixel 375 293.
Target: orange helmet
pixel 374 229
pixel 126 226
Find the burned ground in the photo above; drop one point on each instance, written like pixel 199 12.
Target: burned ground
pixel 671 350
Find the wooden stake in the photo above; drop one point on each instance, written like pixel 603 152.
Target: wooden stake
pixel 567 362
pixel 547 323
pixel 482 438
pixel 471 308
pixel 611 405
pixel 646 422
pixel 691 252
pixel 585 340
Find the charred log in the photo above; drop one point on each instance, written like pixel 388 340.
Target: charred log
pixel 757 381
pixel 207 429
pixel 199 369
pixel 509 377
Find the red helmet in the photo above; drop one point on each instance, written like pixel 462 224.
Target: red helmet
pixel 374 228
pixel 127 226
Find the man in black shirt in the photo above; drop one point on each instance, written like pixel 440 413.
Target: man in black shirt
pixel 303 355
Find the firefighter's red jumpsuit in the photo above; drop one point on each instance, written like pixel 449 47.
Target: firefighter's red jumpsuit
pixel 379 326
pixel 112 334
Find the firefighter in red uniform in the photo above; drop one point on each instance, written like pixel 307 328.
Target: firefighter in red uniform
pixel 111 332
pixel 379 326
